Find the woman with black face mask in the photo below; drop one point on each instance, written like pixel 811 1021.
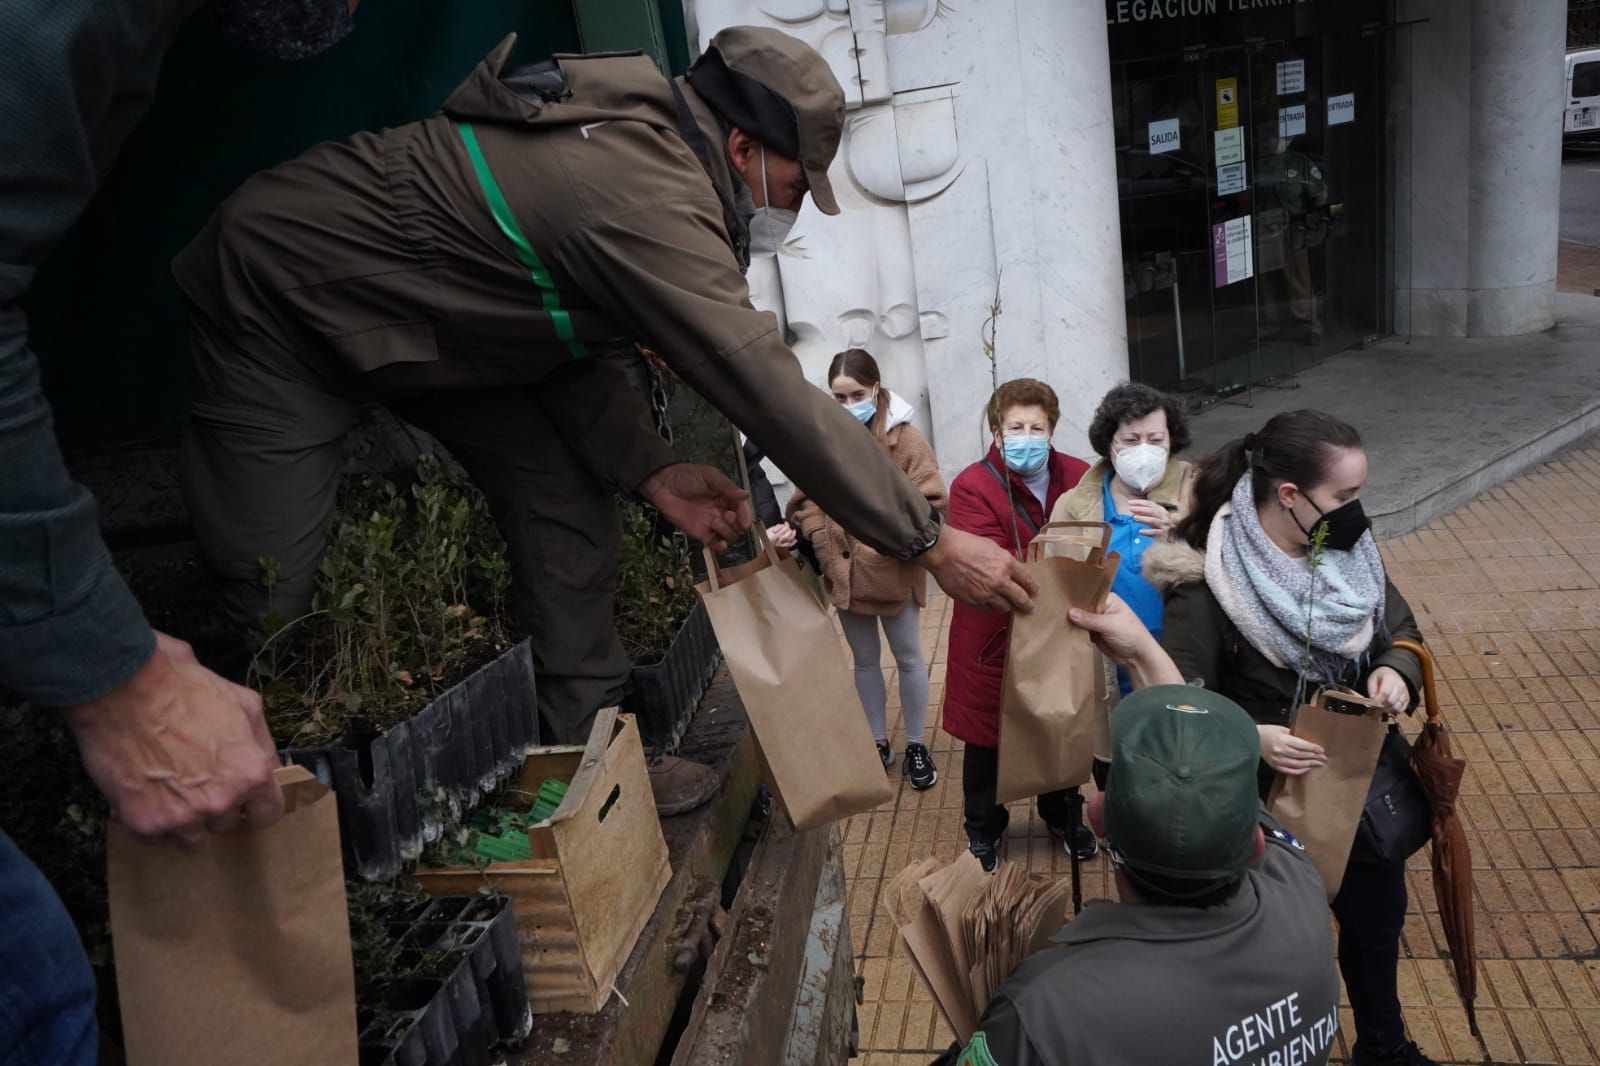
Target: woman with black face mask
pixel 1256 611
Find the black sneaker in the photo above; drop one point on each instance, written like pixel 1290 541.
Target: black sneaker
pixel 1079 842
pixel 986 854
pixel 885 754
pixel 919 767
pixel 1407 1054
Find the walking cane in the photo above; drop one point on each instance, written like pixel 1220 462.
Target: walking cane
pixel 1075 806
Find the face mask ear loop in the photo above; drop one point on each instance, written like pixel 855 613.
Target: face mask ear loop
pixel 766 198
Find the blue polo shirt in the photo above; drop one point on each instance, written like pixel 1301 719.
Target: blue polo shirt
pixel 1136 592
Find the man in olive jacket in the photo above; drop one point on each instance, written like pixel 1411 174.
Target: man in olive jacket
pixel 1218 951
pixel 477 271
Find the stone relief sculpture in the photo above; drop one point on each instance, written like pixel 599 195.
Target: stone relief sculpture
pixel 850 281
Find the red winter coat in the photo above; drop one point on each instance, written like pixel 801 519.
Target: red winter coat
pixel 977 656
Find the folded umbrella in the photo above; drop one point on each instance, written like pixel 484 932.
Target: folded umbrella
pixel 1440 772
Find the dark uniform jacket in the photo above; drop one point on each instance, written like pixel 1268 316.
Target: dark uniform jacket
pixel 1247 982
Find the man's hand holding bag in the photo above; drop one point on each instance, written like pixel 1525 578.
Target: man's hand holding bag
pixel 790 669
pixel 1053 696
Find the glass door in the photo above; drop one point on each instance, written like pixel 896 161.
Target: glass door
pixel 1162 166
pixel 1252 207
pixel 1228 95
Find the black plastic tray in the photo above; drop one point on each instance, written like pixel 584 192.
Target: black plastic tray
pixel 396 789
pixel 665 694
pixel 475 1000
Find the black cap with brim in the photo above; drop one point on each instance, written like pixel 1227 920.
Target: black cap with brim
pixel 778 90
pixel 1181 801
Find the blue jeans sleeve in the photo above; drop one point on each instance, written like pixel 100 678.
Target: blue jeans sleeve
pixel 46 987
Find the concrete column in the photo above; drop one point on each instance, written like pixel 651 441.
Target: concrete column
pixel 1515 162
pixel 1475 106
pixel 1429 110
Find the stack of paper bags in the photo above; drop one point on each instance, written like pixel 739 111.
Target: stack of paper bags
pixel 965 931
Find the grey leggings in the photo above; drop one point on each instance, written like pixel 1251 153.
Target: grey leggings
pixel 905 641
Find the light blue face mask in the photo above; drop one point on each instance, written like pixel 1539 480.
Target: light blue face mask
pixel 863 410
pixel 1025 455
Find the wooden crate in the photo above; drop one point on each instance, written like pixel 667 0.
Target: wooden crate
pixel 598 869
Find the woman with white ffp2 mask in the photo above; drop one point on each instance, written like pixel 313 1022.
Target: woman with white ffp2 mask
pixel 1137 486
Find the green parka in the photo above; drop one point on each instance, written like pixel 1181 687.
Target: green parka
pixel 1209 650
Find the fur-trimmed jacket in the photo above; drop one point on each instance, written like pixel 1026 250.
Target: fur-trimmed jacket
pixel 1210 651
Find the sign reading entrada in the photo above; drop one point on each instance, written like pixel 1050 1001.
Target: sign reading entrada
pixel 1122 11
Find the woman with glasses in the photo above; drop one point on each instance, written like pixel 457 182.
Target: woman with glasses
pixel 1139 486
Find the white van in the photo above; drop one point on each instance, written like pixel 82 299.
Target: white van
pixel 1581 117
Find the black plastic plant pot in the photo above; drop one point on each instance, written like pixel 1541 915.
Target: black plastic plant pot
pixel 666 693
pixel 467 995
pixel 396 789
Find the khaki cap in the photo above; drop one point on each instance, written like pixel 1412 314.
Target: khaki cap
pixel 794 72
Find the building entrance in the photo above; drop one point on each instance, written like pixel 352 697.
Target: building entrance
pixel 1250 165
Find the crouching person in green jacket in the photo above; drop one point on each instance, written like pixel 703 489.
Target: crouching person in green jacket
pixel 1217 949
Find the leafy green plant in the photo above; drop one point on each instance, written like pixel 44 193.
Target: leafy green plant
pixel 1314 558
pixel 410 595
pixel 376 908
pixel 655 584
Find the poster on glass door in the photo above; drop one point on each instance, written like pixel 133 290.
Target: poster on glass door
pixel 1292 77
pixel 1231 252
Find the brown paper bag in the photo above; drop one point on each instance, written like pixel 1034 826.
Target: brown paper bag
pixel 1054 709
pixel 928 948
pixel 790 669
pixel 1322 807
pixel 238 953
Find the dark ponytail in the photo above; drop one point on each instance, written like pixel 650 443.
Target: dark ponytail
pixel 1295 446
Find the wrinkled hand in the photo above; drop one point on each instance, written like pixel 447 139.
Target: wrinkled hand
pixel 782 535
pixel 1158 521
pixel 1386 685
pixel 178 750
pixel 701 501
pixel 1287 753
pixel 979 572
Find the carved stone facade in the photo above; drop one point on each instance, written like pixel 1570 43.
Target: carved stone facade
pixel 977 159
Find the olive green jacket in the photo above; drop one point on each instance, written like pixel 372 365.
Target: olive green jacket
pixel 1210 651
pixel 515 239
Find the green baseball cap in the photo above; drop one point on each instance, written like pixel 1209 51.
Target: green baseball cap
pixel 1181 801
pixel 780 91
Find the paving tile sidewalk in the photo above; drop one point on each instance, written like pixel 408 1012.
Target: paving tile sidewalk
pixel 1507 590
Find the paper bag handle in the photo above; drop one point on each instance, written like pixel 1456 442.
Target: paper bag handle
pixel 1430 697
pixel 714 572
pixel 1102 529
pixel 1071 531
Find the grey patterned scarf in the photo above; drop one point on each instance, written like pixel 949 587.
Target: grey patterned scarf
pixel 1266 594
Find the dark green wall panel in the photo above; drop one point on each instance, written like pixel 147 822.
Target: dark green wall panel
pixel 105 313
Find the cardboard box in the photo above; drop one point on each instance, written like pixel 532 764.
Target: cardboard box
pixel 599 867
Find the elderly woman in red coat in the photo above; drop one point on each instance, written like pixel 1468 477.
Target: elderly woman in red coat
pixel 1022 417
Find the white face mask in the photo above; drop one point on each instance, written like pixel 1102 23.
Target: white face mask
pixel 769 226
pixel 1140 466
